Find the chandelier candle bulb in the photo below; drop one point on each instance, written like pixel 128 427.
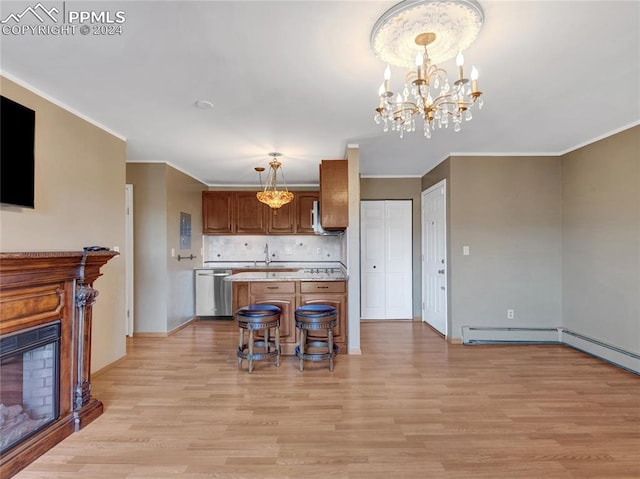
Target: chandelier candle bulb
pixel 387 78
pixel 474 80
pixel 460 63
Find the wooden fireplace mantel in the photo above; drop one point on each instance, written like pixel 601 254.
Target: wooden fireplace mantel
pixel 38 288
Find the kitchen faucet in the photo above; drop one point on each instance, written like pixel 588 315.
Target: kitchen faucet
pixel 266 253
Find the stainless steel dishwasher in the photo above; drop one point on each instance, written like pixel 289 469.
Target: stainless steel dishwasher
pixel 213 293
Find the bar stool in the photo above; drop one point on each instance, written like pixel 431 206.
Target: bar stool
pixel 316 317
pixel 258 317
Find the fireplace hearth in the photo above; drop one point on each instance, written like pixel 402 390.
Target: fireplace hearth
pixel 46 303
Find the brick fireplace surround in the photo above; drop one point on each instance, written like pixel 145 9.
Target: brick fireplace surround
pixel 42 288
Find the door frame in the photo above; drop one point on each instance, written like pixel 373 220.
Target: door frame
pixel 128 268
pixel 441 184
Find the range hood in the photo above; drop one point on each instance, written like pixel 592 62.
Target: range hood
pixel 315 221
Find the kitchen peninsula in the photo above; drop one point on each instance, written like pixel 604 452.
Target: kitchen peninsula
pixel 289 287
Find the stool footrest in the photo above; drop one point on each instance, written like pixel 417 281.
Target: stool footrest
pixel 316 356
pixel 244 354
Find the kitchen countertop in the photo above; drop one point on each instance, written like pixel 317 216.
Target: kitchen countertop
pixel 304 274
pixel 273 265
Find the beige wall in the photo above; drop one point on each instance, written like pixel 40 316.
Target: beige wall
pixel 150 246
pixel 164 286
pixel 557 239
pixel 79 201
pixel 601 240
pixel 507 210
pixel 401 189
pixel 184 194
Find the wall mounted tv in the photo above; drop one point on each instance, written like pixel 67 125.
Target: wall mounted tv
pixel 17 165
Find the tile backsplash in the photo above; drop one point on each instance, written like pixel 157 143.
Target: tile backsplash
pixel 281 248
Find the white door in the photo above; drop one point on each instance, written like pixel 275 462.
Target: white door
pixel 434 257
pixel 372 260
pixel 399 253
pixel 128 229
pixel 386 253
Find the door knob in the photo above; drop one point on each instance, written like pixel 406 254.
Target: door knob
pixel 440 271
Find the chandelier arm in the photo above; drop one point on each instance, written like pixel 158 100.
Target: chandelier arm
pixel 400 113
pixel 284 182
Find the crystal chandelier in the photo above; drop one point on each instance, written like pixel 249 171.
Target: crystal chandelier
pixel 271 196
pixel 414 28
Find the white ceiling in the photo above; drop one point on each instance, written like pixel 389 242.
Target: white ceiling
pixel 299 77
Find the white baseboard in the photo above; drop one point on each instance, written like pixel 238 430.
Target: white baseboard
pixel 486 335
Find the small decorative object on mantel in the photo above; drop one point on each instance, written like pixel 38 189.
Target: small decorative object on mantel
pixel 271 196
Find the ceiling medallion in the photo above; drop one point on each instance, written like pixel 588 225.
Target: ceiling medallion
pixel 456 24
pixel 417 34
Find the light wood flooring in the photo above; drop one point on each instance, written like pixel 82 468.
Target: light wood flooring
pixel 412 406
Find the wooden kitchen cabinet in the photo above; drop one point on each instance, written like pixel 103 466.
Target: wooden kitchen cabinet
pixel 304 205
pixel 282 220
pixel 289 295
pixel 217 212
pixel 239 295
pixel 250 214
pixel 240 212
pixel 334 294
pixel 232 212
pixel 334 194
pixel 283 295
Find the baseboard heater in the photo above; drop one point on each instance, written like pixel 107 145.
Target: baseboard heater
pixel 612 354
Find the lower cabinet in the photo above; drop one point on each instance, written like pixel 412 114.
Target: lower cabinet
pixel 282 294
pixel 334 294
pixel 289 295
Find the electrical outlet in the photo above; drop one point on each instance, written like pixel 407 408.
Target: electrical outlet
pixel 173 252
pixel 288 251
pixel 318 251
pixel 510 314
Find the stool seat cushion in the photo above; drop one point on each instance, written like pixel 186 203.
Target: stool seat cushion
pixel 315 311
pixel 264 307
pixel 258 311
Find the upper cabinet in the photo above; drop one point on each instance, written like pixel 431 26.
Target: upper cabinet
pixel 334 194
pixel 240 212
pixel 217 213
pixel 250 214
pixel 304 207
pixel 282 220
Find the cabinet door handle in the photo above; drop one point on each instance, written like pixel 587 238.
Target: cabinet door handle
pixel 322 287
pixel 273 287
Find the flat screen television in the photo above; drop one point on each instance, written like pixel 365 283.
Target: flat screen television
pixel 17 161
